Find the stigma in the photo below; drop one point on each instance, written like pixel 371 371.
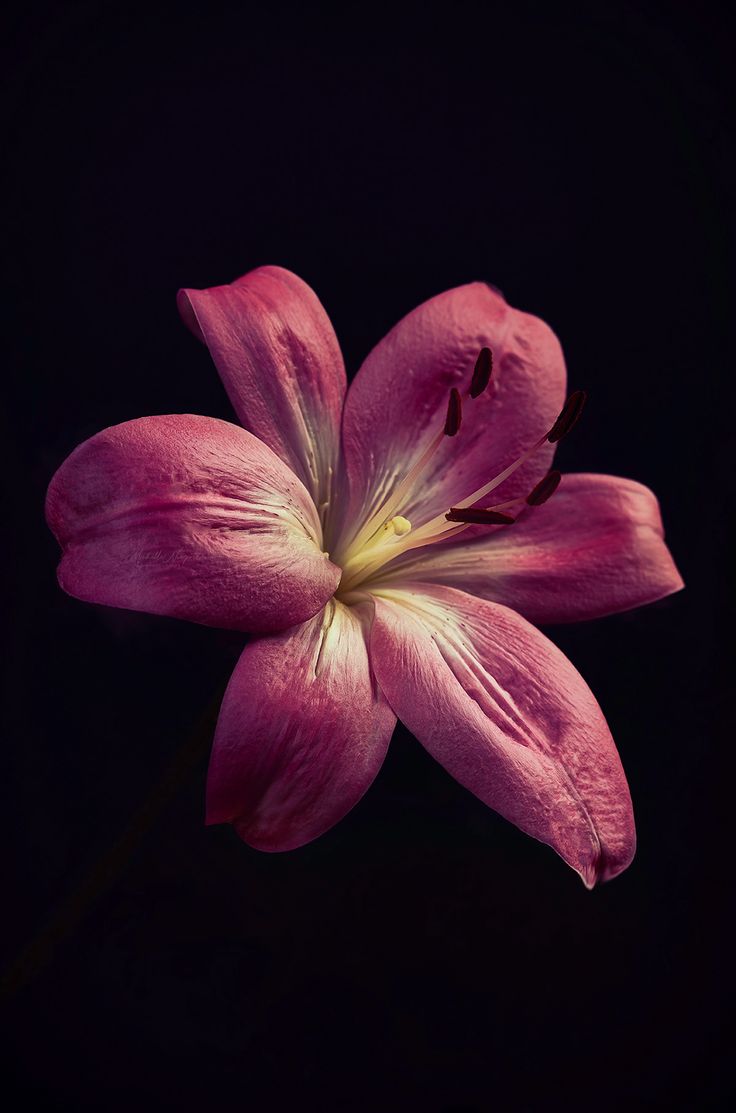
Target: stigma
pixel 400 525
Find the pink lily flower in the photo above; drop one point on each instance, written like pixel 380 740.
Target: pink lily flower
pixel 392 546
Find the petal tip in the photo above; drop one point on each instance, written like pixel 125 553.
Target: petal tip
pixel 605 867
pixel 494 289
pixel 187 313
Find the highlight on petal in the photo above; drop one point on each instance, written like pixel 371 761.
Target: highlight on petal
pixel 281 364
pixel 505 712
pixel 596 548
pixel 189 517
pixel 302 733
pixel 398 402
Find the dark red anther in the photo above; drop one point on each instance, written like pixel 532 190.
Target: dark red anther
pixel 544 489
pixel 478 517
pixel 482 372
pixel 569 416
pixel 454 413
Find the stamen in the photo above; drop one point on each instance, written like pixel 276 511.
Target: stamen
pixel 569 416
pixel 478 516
pixel 544 489
pixel 454 413
pixel 387 534
pixel 481 373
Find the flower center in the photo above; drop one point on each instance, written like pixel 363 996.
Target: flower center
pixel 387 534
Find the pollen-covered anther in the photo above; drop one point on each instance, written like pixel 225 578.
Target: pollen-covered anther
pixel 473 515
pixel 544 489
pixel 454 413
pixel 481 373
pixel 569 416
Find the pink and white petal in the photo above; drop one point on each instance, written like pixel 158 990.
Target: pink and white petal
pixel 596 548
pixel 281 364
pixel 504 711
pixel 302 732
pixel 398 403
pixel 189 517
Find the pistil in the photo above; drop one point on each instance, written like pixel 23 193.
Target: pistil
pixel 451 427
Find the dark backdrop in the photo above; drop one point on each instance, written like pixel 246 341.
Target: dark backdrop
pixel 424 955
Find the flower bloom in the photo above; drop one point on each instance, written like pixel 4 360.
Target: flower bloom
pixel 392 547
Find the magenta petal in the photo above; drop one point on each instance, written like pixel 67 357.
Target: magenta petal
pixel 281 364
pixel 398 402
pixel 189 517
pixel 597 547
pixel 504 711
pixel 302 733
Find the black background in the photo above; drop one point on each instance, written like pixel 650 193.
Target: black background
pixel 424 955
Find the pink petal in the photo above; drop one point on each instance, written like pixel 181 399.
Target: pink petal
pixel 509 717
pixel 597 547
pixel 279 359
pixel 189 517
pixel 302 733
pixel 398 402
